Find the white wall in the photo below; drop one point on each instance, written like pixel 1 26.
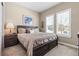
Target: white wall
pixel 0 27
pixel 14 14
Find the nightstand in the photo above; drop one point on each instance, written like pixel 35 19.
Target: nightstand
pixel 10 40
pixel 78 42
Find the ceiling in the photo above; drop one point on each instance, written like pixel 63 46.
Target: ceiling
pixel 37 6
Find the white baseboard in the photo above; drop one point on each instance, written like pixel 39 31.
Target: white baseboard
pixel 70 45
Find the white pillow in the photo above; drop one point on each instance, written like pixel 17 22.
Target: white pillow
pixel 32 31
pixel 36 30
pixel 22 30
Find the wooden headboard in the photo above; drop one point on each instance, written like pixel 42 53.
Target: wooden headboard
pixel 26 27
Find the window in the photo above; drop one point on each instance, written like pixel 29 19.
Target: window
pixel 64 23
pixel 50 24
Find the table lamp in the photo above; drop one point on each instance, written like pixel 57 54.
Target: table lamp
pixel 10 26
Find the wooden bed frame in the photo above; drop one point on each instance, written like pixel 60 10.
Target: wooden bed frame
pixel 43 48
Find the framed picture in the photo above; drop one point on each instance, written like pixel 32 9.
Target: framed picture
pixel 27 20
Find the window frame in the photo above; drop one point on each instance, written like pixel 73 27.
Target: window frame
pixel 52 22
pixel 61 35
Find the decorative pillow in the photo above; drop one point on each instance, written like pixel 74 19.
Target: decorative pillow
pixel 32 31
pixel 27 30
pixel 36 30
pixel 22 30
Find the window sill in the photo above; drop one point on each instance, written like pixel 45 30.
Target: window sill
pixel 64 36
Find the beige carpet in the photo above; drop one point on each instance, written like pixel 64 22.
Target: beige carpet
pixel 14 51
pixel 60 50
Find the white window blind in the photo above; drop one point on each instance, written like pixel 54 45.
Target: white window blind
pixel 50 24
pixel 64 23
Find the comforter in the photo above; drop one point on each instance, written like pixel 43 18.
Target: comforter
pixel 30 40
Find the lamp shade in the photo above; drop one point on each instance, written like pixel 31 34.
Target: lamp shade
pixel 9 25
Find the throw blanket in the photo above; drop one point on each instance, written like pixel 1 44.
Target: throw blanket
pixel 29 40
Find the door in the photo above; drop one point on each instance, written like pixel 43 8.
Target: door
pixel 0 27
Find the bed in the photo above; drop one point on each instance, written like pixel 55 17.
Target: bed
pixel 36 44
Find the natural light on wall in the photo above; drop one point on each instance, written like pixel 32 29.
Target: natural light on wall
pixel 64 23
pixel 50 24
